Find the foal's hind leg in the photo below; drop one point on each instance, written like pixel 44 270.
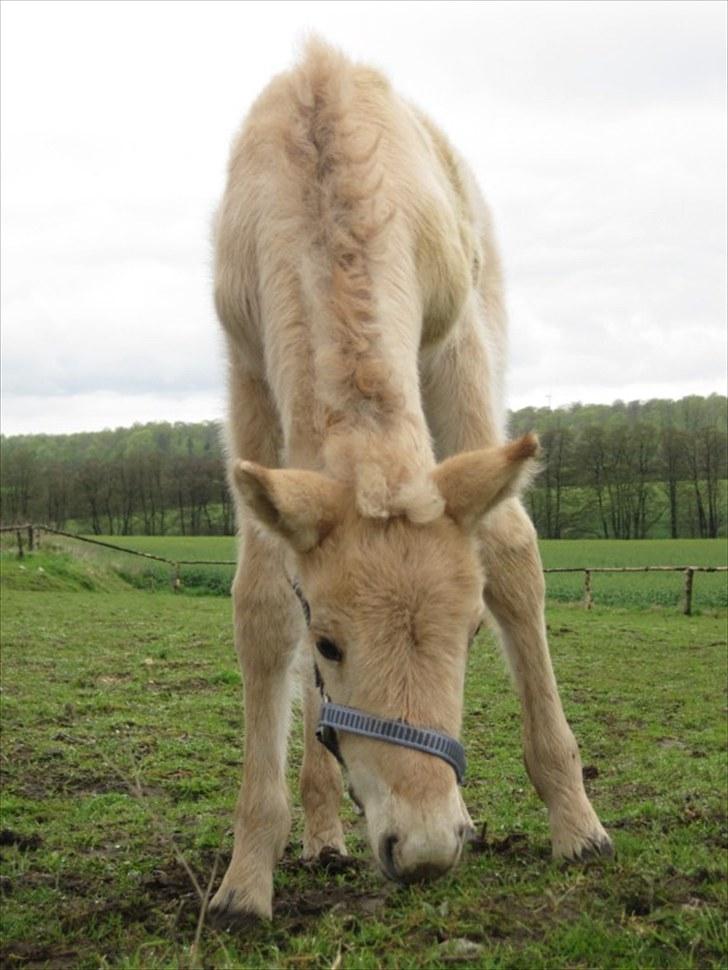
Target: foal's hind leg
pixel 268 625
pixel 321 787
pixel 461 416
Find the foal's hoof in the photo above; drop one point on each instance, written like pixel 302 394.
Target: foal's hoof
pixel 331 860
pixel 230 910
pixel 597 846
pixel 323 844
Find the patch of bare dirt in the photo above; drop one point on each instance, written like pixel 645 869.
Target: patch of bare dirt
pixel 296 907
pixel 170 884
pixel 54 780
pixel 341 899
pixel 31 955
pixel 23 842
pixel 192 684
pixel 514 844
pixel 333 861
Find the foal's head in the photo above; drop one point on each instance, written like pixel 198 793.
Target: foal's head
pixel 394 606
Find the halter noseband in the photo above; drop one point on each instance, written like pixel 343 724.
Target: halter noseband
pixel 337 717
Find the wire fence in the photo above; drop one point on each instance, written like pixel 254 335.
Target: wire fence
pixel 29 535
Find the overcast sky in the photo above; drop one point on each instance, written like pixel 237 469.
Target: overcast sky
pixel 597 131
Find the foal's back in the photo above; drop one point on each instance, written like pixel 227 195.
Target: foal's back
pixel 332 166
pixel 350 241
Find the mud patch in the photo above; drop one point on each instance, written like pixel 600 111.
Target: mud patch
pixel 513 844
pixel 332 861
pixel 23 842
pixel 80 912
pixel 300 902
pixel 32 955
pixel 298 908
pixel 55 782
pixel 173 885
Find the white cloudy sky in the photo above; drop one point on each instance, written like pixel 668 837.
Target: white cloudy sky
pixel 597 131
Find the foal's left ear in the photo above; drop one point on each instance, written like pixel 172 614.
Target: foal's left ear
pixel 300 506
pixel 473 482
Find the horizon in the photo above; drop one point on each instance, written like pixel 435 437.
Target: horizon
pixel 222 420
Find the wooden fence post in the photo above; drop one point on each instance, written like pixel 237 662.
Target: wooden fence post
pixel 587 590
pixel 19 536
pixel 688 602
pixel 30 538
pixel 176 582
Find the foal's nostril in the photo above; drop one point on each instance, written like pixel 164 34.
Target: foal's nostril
pixel 386 855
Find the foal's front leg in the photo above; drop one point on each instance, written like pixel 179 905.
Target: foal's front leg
pixel 515 596
pixel 268 625
pixel 455 384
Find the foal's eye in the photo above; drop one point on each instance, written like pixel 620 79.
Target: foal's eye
pixel 328 649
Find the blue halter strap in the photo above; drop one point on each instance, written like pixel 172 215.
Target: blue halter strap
pixel 336 717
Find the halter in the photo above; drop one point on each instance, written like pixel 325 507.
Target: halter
pixel 337 717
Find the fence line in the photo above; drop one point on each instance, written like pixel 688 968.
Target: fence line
pixel 635 569
pixel 107 545
pixel 33 532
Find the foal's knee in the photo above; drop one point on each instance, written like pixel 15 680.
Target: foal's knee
pixel 268 621
pixel 514 574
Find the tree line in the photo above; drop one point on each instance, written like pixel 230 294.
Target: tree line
pixel 631 471
pixel 627 470
pixel 152 479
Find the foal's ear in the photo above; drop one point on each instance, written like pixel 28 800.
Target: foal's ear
pixel 301 506
pixel 473 482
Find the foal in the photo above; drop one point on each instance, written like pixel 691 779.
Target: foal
pixel 359 289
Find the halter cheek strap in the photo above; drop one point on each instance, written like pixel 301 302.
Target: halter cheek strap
pixel 337 717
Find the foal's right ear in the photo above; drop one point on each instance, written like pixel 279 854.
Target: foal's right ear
pixel 300 506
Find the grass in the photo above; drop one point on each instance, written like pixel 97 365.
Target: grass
pixel 179 547
pixel 100 692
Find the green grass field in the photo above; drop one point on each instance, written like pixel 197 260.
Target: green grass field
pixel 640 591
pixel 121 746
pixel 633 589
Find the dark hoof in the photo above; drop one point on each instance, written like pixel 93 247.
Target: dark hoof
pixel 598 847
pixel 226 916
pixel 331 860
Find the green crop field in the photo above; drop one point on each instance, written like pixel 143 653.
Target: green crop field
pixel 179 547
pixel 121 746
pixel 640 591
pixel 635 589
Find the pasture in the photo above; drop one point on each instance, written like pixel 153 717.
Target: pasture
pixel 121 754
pixel 614 589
